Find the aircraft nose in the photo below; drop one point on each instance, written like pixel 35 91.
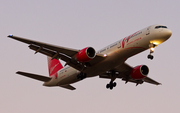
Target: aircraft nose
pixel 168 33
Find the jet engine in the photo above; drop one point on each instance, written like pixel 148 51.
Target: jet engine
pixel 86 54
pixel 139 72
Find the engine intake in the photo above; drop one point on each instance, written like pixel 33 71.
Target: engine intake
pixel 86 54
pixel 139 72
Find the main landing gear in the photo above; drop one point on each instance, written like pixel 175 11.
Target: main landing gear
pixel 152 46
pixel 81 76
pixel 113 76
pixel 111 85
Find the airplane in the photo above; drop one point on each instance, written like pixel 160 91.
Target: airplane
pixel 109 62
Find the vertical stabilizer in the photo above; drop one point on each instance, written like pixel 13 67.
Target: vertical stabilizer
pixel 54 66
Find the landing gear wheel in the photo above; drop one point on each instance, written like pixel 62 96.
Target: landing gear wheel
pixel 114 84
pixel 111 85
pixel 107 86
pixel 150 57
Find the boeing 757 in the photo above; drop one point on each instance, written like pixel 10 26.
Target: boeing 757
pixel 109 62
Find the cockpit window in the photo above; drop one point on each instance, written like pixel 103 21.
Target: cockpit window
pixel 157 27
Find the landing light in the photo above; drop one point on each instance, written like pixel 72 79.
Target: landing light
pixel 156 42
pixel 105 55
pixel 152 49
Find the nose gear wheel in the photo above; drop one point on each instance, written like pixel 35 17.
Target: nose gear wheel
pixel 150 56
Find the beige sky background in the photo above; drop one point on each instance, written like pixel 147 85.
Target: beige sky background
pixel 78 24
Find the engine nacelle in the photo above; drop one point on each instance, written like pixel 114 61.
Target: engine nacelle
pixel 139 72
pixel 86 54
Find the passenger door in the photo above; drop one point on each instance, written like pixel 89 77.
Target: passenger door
pixel 148 31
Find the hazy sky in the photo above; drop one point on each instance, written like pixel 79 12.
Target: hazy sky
pixel 78 24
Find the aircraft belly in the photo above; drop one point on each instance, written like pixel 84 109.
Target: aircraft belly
pixel 106 65
pixel 52 82
pixel 68 80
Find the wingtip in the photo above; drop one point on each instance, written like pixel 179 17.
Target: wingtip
pixel 10 35
pixel 19 72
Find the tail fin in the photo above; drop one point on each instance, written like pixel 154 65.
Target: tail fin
pixel 54 66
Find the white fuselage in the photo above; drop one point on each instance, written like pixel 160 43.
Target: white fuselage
pixel 116 54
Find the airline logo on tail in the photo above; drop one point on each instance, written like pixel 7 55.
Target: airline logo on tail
pixel 54 66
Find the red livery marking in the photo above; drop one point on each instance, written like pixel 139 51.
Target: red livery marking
pixel 62 76
pixel 126 39
pixel 123 42
pixel 134 41
pixel 54 66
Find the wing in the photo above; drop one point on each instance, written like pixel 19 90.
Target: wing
pixel 151 81
pixel 58 52
pixel 124 72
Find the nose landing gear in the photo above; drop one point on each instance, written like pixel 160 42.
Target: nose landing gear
pixel 152 46
pixel 150 56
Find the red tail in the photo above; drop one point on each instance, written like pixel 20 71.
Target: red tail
pixel 54 66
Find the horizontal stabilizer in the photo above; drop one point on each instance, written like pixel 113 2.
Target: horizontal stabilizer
pixel 68 87
pixel 34 76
